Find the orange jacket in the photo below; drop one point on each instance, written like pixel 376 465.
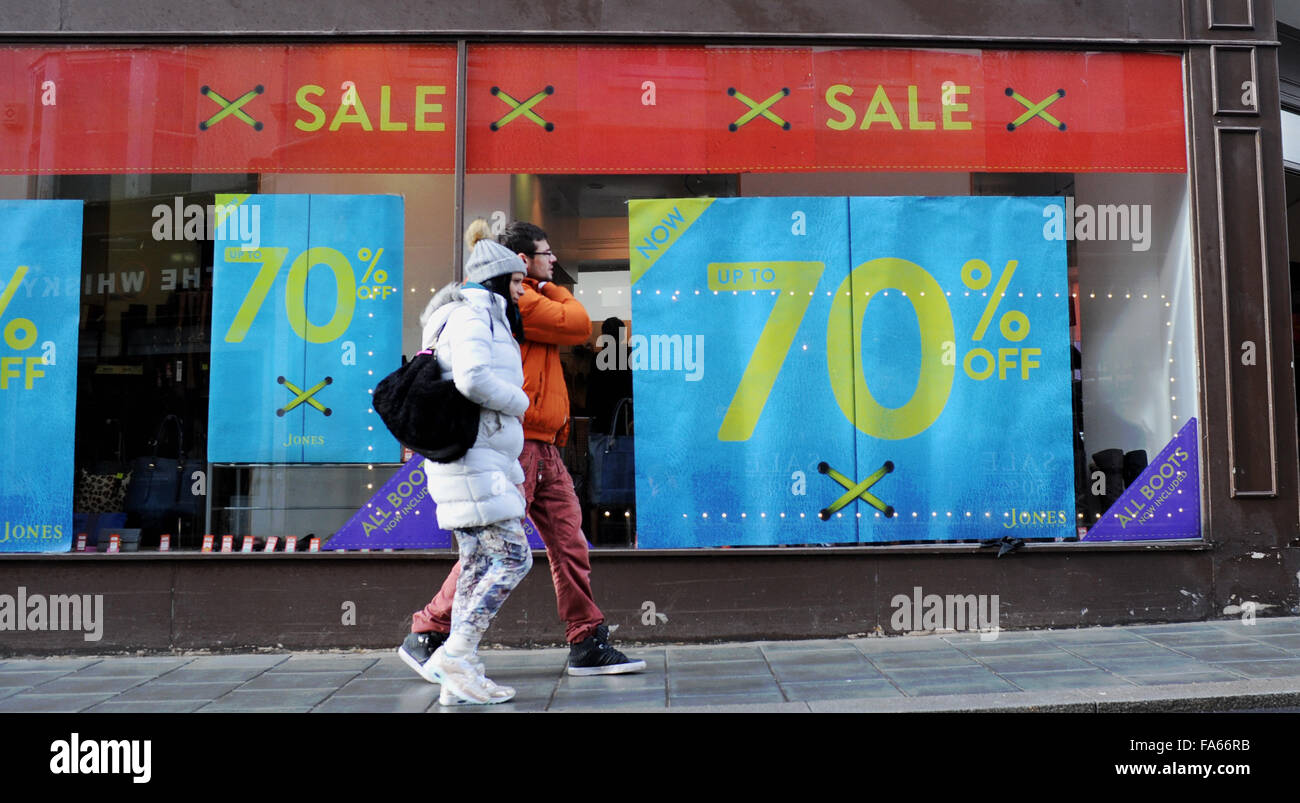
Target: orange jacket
pixel 552 318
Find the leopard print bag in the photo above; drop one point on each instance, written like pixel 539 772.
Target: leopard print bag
pixel 102 488
pixel 100 493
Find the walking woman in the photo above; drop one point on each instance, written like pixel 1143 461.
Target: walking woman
pixel 473 329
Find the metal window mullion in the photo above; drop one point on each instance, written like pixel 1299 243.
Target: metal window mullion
pixel 458 225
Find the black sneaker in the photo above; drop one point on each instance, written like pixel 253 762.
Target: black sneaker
pixel 594 656
pixel 417 648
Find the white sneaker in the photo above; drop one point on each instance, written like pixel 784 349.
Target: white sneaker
pixel 461 681
pixel 431 672
pixel 498 692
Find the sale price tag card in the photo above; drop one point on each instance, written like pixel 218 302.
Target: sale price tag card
pixel 834 370
pixel 40 271
pixel 306 319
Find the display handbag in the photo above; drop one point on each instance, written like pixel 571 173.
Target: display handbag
pixel 612 463
pixel 102 489
pixel 426 412
pixel 160 486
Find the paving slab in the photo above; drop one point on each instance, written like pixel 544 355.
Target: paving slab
pixel 10 679
pixel 843 656
pixel 1098 635
pixel 75 684
pixel 298 680
pixel 548 657
pixel 1063 680
pixel 823 672
pixel 51 703
pixel 214 708
pixel 926 682
pixel 1034 646
pixel 1289 642
pixel 1034 662
pixel 370 687
pixel 1045 702
pixel 314 663
pixel 1144 649
pixel 927 659
pixel 1207 675
pixel 727 706
pixel 1148 666
pixel 1221 653
pixel 749 698
pixel 172 692
pixel 730 684
pixel 115 706
pixel 282 699
pixel 515 706
pixel 840 690
pixel 263 660
pixel 1289 668
pixel 729 669
pixel 378 704
pixel 612 683
pixel 1205 636
pixel 132 667
pixel 389 669
pixel 586 699
pixel 229 674
pixel 683 655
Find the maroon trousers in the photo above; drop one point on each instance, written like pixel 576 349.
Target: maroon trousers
pixel 553 507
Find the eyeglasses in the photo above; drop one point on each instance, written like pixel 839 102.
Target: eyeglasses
pixel 544 253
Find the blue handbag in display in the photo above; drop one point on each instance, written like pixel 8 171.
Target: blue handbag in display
pixel 162 487
pixel 612 462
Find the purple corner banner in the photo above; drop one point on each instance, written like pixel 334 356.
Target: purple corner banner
pixel 1164 502
pixel 401 516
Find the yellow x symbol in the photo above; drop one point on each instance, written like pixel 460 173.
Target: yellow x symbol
pixel 304 395
pixel 858 490
pixel 524 109
pixel 756 109
pixel 230 107
pixel 1035 109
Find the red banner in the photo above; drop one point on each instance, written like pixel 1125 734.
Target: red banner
pixel 735 110
pixel 586 109
pixel 229 109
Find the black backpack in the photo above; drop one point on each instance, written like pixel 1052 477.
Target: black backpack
pixel 426 412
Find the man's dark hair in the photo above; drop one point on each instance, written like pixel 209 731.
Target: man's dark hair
pixel 521 237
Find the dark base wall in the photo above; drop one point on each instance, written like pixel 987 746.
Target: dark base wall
pixel 237 602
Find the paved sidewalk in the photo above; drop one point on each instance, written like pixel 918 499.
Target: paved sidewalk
pixel 1225 665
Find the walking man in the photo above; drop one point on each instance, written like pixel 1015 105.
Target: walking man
pixel 552 317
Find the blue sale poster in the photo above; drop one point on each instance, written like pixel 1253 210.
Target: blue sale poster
pixel 306 319
pixel 849 370
pixel 40 262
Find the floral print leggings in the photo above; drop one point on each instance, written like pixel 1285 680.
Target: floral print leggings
pixel 493 560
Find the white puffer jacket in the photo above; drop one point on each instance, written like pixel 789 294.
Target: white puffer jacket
pixel 477 350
